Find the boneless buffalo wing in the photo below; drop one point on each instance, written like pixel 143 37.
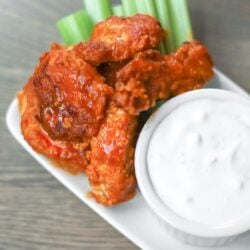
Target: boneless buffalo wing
pixel 141 82
pixel 111 169
pixel 81 106
pixel 73 95
pixel 190 67
pixel 150 76
pixel 120 38
pixel 71 156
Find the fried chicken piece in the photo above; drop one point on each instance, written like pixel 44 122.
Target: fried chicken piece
pixel 111 170
pixel 120 38
pixel 73 157
pixel 149 76
pixel 141 82
pixel 73 95
pixel 189 68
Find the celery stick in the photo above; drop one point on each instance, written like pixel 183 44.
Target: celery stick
pixel 146 7
pixel 129 7
pixel 180 21
pixel 75 27
pixel 155 107
pixel 161 48
pixel 118 10
pixel 163 16
pixel 98 9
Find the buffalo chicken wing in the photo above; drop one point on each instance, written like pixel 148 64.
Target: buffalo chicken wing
pixel 73 95
pixel 71 156
pixel 111 169
pixel 120 38
pixel 150 76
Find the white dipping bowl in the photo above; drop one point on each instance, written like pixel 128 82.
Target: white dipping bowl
pixel 183 229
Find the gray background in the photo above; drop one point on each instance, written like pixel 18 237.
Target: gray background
pixel 36 211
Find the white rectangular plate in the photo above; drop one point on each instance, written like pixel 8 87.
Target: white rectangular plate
pixel 133 219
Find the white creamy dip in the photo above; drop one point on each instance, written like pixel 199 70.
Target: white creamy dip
pixel 199 161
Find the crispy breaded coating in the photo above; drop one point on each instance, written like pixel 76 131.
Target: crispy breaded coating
pixel 71 156
pixel 141 82
pixel 150 76
pixel 111 169
pixel 190 67
pixel 120 38
pixel 73 95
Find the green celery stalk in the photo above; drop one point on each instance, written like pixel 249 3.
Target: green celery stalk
pixel 161 48
pixel 163 16
pixel 98 9
pixel 129 7
pixel 179 24
pixel 118 10
pixel 75 27
pixel 180 21
pixel 148 7
pixel 155 107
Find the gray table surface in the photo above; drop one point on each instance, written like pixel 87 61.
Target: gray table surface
pixel 36 211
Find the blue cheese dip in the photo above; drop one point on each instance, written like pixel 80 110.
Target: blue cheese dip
pixel 199 161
